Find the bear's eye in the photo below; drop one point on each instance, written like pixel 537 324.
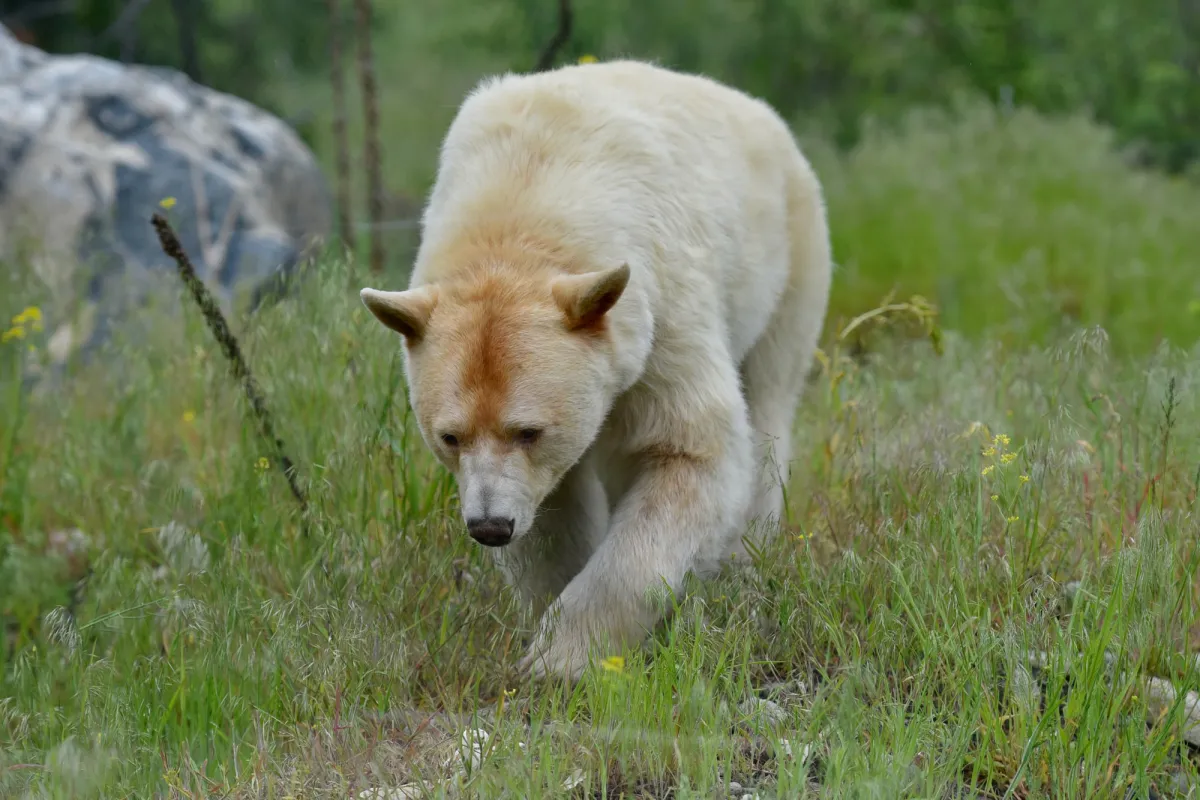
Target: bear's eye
pixel 450 440
pixel 528 435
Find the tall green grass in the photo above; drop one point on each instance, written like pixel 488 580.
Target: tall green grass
pixel 938 615
pixel 1020 228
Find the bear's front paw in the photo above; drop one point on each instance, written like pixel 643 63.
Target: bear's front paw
pixel 583 622
pixel 561 653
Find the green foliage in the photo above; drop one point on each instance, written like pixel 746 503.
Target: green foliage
pixel 1134 65
pixel 1016 227
pixel 828 64
pixel 190 640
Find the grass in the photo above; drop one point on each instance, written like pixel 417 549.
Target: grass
pixel 932 625
pixel 1020 228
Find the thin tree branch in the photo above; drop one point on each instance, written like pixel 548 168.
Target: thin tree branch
pixel 341 145
pixel 185 20
pixel 561 37
pixel 371 154
pixel 125 21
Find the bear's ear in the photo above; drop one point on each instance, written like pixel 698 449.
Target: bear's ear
pixel 585 299
pixel 407 313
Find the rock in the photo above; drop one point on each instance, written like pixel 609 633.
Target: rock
pixel 471 750
pixel 767 712
pixel 1180 785
pixel 1161 698
pixel 575 779
pixel 1071 591
pixel 90 149
pixel 409 791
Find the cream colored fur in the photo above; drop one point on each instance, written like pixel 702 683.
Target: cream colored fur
pixel 623 274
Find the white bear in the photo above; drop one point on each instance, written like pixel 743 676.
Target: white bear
pixel 623 275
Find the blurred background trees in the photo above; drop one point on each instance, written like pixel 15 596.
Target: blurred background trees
pixel 248 48
pixel 829 64
pixel 1060 115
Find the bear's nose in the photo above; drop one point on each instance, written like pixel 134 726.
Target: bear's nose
pixel 491 531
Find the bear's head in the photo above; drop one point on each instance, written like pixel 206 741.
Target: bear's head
pixel 511 374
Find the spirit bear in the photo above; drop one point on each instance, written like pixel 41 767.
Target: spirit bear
pixel 623 274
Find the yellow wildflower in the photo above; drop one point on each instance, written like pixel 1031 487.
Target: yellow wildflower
pixel 991 451
pixel 1008 458
pixel 263 463
pixel 995 497
pixel 21 324
pixel 189 417
pixel 987 470
pixel 1024 479
pixel 613 664
pixel 1013 519
pixel 167 202
pixel 32 315
pixel 1001 439
pixel 588 59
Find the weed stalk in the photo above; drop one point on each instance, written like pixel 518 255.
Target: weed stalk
pixel 233 351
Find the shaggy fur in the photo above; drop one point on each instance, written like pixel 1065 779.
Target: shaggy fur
pixel 622 278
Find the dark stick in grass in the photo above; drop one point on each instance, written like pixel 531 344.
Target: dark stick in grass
pixel 337 78
pixel 233 352
pixel 561 35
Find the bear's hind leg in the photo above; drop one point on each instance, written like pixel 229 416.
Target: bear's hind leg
pixel 774 372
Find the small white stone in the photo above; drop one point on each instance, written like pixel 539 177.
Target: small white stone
pixel 470 751
pixel 768 710
pixel 576 778
pixel 409 791
pixel 806 750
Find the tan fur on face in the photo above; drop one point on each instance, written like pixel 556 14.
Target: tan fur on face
pixel 515 303
pixel 503 352
pixel 490 328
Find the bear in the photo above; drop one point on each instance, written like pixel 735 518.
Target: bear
pixel 623 274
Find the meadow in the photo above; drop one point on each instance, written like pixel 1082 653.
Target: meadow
pixel 986 582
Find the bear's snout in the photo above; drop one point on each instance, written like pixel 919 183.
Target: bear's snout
pixel 491 531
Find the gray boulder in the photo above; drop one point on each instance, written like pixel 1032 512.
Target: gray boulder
pixel 90 149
